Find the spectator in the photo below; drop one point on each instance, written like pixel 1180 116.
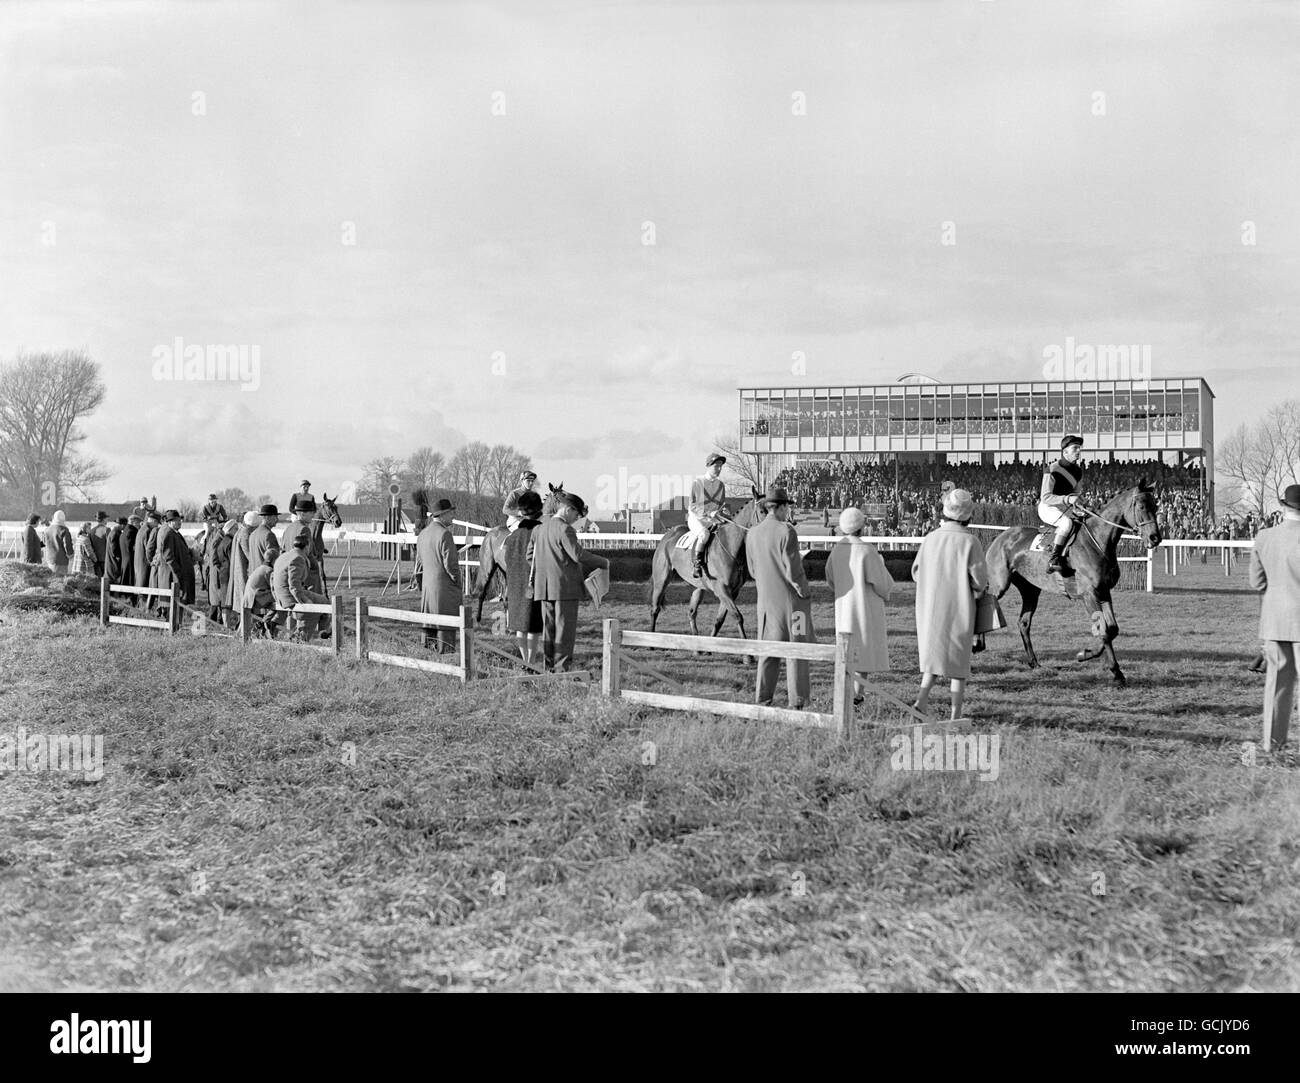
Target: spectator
pixel 85 555
pixel 99 541
pixel 289 584
pixel 259 599
pixel 861 584
pixel 440 590
pixel 32 544
pixel 557 559
pixel 523 613
pixel 950 575
pixel 58 544
pixel 1275 571
pixel 784 598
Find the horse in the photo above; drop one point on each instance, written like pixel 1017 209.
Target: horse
pixel 725 568
pixel 1011 562
pixel 316 529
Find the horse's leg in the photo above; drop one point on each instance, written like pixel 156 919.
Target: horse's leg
pixel 660 573
pixel 1029 595
pixel 696 595
pixel 1108 640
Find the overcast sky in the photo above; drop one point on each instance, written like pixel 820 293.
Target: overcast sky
pixel 499 287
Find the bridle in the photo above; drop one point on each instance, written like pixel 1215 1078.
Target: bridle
pixel 1089 513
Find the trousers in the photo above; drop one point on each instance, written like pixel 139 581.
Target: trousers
pixel 1279 690
pixel 559 633
pixel 1057 518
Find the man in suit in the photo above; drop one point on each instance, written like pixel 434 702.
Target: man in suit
pixel 259 599
pixel 263 540
pixel 290 587
pixel 1275 571
pixel 559 565
pixel 784 605
pixel 305 512
pixel 126 549
pixel 171 560
pixel 113 552
pixel 143 554
pixel 440 590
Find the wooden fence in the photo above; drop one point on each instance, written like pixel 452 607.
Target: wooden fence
pixel 172 594
pixel 462 670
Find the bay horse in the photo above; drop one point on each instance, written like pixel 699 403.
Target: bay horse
pixel 1011 562
pixel 725 568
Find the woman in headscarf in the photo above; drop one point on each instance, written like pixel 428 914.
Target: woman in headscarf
pixel 85 563
pixel 58 544
pixel 950 574
pixel 523 615
pixel 861 584
pixel 239 570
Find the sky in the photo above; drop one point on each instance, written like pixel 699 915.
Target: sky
pixel 430 221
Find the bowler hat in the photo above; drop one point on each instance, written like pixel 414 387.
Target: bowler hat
pixel 101 515
pixel 440 506
pixel 171 513
pixel 269 509
pixel 775 495
pixel 1291 497
pixel 1071 440
pixel 301 541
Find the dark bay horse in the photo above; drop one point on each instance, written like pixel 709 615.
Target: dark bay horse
pixel 1011 562
pixel 725 567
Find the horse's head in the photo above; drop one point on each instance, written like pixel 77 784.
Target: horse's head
pixel 552 498
pixel 1139 513
pixel 331 511
pixel 752 512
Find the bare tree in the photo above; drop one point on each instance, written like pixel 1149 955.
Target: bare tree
pixel 236 501
pixel 424 469
pixel 456 476
pixel 742 470
pixel 83 475
pixel 1255 457
pixel 42 397
pixel 376 476
pixel 505 464
pixel 476 466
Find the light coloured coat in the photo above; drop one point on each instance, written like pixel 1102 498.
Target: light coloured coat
pixel 949 572
pixel 1275 570
pixel 862 584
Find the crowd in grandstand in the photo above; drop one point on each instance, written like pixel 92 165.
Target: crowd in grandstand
pixel 910 493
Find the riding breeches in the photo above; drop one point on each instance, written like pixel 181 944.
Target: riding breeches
pixel 699 530
pixel 1057 518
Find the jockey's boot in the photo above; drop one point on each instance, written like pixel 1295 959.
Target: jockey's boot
pixel 698 566
pixel 1054 563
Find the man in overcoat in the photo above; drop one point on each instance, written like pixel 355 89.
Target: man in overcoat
pixel 32 544
pixel 559 565
pixel 440 589
pixel 290 586
pixel 784 597
pixel 143 553
pixel 305 513
pixel 263 539
pixel 1275 572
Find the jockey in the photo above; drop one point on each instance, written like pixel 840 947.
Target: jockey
pixel 1057 498
pixel 510 509
pixel 707 508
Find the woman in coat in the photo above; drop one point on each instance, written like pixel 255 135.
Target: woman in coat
pixel 523 615
pixel 85 564
pixel 861 584
pixel 950 574
pixel 239 570
pixel 218 569
pixel 32 544
pixel 58 544
pixel 142 556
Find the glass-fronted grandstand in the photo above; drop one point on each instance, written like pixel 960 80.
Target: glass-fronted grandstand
pixel 921 420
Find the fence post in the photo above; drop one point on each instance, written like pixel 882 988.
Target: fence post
pixel 363 648
pixel 336 615
pixel 466 646
pixel 842 711
pixel 245 624
pixel 611 669
pixel 1151 571
pixel 173 610
pixel 103 600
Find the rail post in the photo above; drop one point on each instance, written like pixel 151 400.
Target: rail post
pixel 466 646
pixel 363 647
pixel 173 610
pixel 245 624
pixel 103 600
pixel 336 628
pixel 842 710
pixel 611 670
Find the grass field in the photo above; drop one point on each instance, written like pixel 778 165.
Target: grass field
pixel 272 819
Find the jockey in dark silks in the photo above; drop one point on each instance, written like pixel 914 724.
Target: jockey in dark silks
pixel 1059 496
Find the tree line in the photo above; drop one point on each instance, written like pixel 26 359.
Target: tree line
pixel 1260 459
pixel 476 477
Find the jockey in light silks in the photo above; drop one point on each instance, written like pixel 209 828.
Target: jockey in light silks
pixel 510 509
pixel 708 507
pixel 1058 496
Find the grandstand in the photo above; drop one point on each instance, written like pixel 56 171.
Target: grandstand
pixel 897 442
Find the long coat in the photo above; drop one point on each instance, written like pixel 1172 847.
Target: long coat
pixel 260 541
pixel 862 584
pixel 949 571
pixel 126 554
pixel 218 569
pixel 113 554
pixel 142 556
pixel 522 613
pixel 32 546
pixel 186 560
pixel 171 556
pixel 239 571
pixel 772 553
pixel 440 585
pixel 99 543
pixel 559 562
pixel 1275 570
pixel 58 547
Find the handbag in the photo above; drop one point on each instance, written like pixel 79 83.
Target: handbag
pixel 988 614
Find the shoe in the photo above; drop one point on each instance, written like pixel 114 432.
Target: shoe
pixel 698 569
